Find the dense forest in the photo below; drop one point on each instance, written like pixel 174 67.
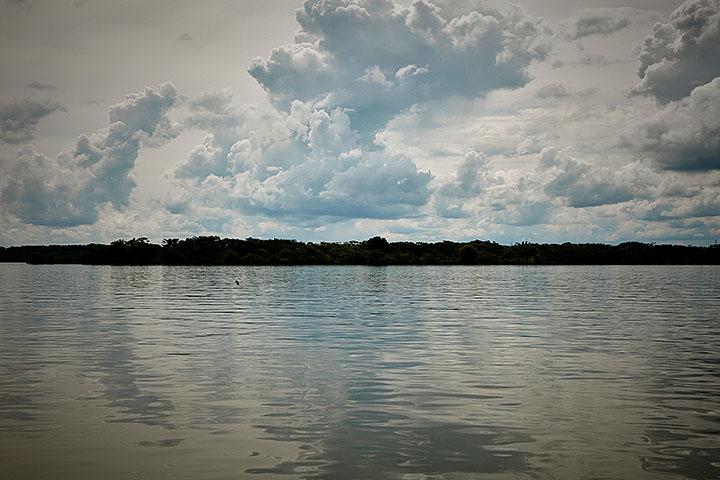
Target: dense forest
pixel 211 250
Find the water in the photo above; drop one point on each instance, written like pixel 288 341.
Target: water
pixel 359 372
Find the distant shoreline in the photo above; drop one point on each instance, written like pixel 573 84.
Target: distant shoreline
pixel 211 250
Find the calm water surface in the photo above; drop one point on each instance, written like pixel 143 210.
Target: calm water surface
pixel 359 372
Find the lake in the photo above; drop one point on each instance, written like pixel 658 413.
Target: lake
pixel 359 372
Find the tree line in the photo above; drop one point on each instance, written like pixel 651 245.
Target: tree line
pixel 213 250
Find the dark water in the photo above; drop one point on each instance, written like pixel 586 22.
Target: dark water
pixel 359 373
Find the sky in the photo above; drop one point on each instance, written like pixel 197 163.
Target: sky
pixel 335 120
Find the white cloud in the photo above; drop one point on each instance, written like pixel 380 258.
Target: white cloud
pixel 424 121
pixel 353 66
pixel 682 54
pixel 480 193
pixel 359 54
pixel 69 189
pixel 304 164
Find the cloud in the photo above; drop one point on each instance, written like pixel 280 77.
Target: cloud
pixel 552 90
pixel 304 164
pixel 376 58
pixel 598 23
pixel 69 189
pixel 42 86
pixel 682 54
pixel 353 66
pixel 704 204
pixel 685 135
pixel 596 60
pixel 473 178
pixel 24 3
pixel 417 120
pixel 18 119
pixel 556 190
pixel 372 186
pixel 227 124
pixel 143 114
pixel 478 192
pixel 584 185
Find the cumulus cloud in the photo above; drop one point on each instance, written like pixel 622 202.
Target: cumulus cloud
pixel 685 135
pixel 682 54
pixel 69 189
pixel 353 66
pixel 376 58
pixel 372 96
pixel 473 179
pixel 369 187
pixel 305 163
pixel 704 204
pixel 18 119
pixel 478 192
pixel 557 189
pixel 584 185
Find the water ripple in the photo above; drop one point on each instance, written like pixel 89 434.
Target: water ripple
pixel 360 372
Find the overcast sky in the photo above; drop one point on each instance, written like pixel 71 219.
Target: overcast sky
pixel 544 120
